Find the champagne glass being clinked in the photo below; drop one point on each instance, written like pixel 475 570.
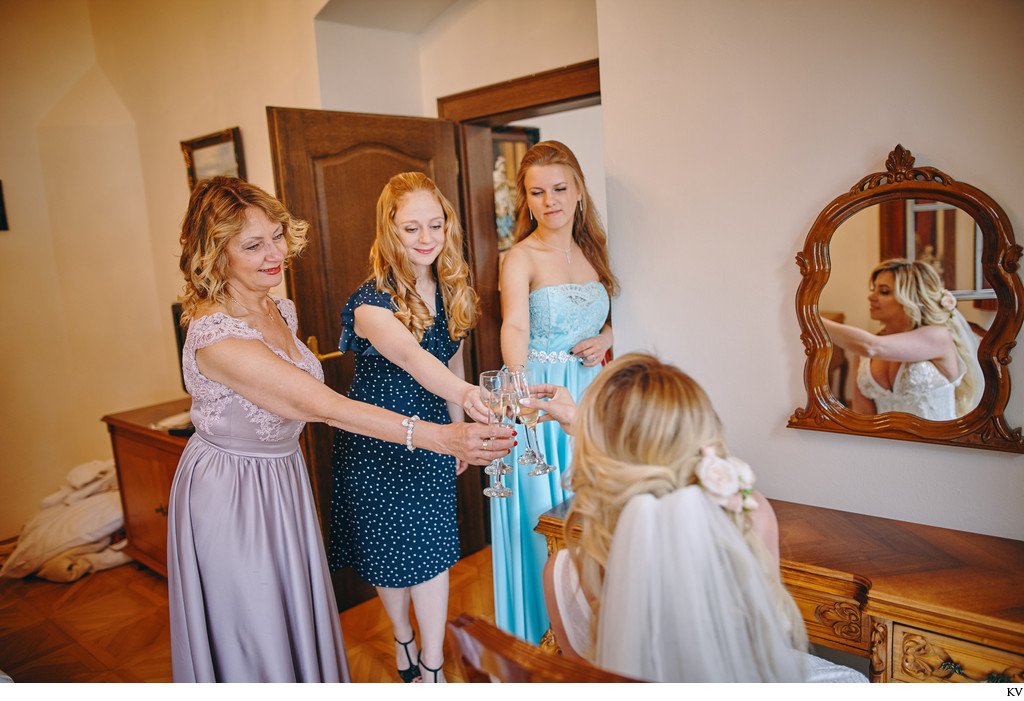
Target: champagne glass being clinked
pixel 494 392
pixel 521 381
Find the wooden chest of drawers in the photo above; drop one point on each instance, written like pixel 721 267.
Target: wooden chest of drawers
pixel 922 603
pixel 146 459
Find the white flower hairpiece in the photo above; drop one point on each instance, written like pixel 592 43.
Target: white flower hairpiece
pixel 729 482
pixel 947 301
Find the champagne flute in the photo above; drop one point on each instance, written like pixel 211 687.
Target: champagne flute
pixel 493 391
pixel 518 388
pixel 522 380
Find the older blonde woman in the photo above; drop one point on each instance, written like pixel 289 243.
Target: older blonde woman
pixel 249 591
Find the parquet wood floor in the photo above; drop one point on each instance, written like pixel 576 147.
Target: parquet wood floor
pixel 112 626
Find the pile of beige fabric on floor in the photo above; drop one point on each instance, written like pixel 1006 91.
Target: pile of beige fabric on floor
pixel 72 535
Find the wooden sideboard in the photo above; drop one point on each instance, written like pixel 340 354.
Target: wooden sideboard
pixel 146 459
pixel 922 603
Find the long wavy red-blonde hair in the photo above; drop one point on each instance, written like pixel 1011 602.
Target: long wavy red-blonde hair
pixel 394 275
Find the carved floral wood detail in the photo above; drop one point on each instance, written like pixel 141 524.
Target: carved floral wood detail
pixel 983 427
pixel 924 660
pixel 842 617
pixel 879 650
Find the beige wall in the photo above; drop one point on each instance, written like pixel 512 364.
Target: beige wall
pixel 96 97
pixel 727 126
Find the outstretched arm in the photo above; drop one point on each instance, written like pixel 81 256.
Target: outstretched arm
pixel 455 411
pixel 392 339
pixel 251 369
pixel 922 343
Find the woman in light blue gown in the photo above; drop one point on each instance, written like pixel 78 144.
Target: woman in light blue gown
pixel 556 285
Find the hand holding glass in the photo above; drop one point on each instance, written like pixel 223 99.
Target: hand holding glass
pixel 493 391
pixel 521 381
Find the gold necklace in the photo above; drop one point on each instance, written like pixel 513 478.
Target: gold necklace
pixel 556 248
pixel 269 315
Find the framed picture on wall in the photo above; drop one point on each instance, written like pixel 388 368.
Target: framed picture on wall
pixel 214 154
pixel 510 143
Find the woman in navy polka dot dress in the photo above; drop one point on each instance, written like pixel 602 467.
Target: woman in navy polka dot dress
pixel 393 512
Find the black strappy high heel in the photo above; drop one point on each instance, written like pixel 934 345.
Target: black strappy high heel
pixel 433 671
pixel 411 672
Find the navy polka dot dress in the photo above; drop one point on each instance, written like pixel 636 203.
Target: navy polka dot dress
pixel 393 510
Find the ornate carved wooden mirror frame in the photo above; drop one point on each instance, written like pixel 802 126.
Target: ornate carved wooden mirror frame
pixel 984 426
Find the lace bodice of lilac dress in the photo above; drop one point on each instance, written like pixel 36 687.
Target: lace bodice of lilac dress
pixel 219 411
pixel 919 389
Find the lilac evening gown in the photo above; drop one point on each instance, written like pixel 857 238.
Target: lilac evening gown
pixel 249 591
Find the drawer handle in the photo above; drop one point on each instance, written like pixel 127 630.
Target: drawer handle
pixel 956 668
pixel 161 510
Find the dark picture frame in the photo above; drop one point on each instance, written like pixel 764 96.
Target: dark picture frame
pixel 510 144
pixel 214 154
pixel 3 209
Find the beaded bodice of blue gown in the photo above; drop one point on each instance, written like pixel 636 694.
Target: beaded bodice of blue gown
pixel 249 592
pixel 560 317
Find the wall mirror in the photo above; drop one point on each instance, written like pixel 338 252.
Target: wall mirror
pixel 915 213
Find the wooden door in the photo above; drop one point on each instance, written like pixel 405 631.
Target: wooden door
pixel 329 169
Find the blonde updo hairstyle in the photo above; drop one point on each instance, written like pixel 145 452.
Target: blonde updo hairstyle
pixel 394 274
pixel 587 230
pixel 218 210
pixel 919 289
pixel 639 430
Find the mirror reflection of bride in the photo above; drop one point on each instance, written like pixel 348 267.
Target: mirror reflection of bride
pixel 924 360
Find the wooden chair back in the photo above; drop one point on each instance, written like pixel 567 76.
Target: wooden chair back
pixel 485 653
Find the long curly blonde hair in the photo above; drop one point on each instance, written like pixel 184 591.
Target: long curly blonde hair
pixel 394 275
pixel 639 430
pixel 918 288
pixel 587 230
pixel 218 210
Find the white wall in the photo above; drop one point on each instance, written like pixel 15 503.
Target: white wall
pixel 480 42
pixel 728 127
pixel 368 70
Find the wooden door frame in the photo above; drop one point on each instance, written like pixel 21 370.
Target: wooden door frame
pixel 557 90
pixel 476 111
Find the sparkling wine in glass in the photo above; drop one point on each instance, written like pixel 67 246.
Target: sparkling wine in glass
pixel 522 380
pixel 493 391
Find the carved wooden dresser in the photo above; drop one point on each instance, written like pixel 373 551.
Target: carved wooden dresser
pixel 146 460
pixel 922 603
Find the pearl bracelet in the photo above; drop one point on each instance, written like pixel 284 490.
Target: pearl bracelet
pixel 409 423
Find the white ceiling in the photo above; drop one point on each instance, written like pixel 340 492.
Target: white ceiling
pixel 411 16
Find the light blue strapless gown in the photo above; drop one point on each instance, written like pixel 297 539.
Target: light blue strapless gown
pixel 560 317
